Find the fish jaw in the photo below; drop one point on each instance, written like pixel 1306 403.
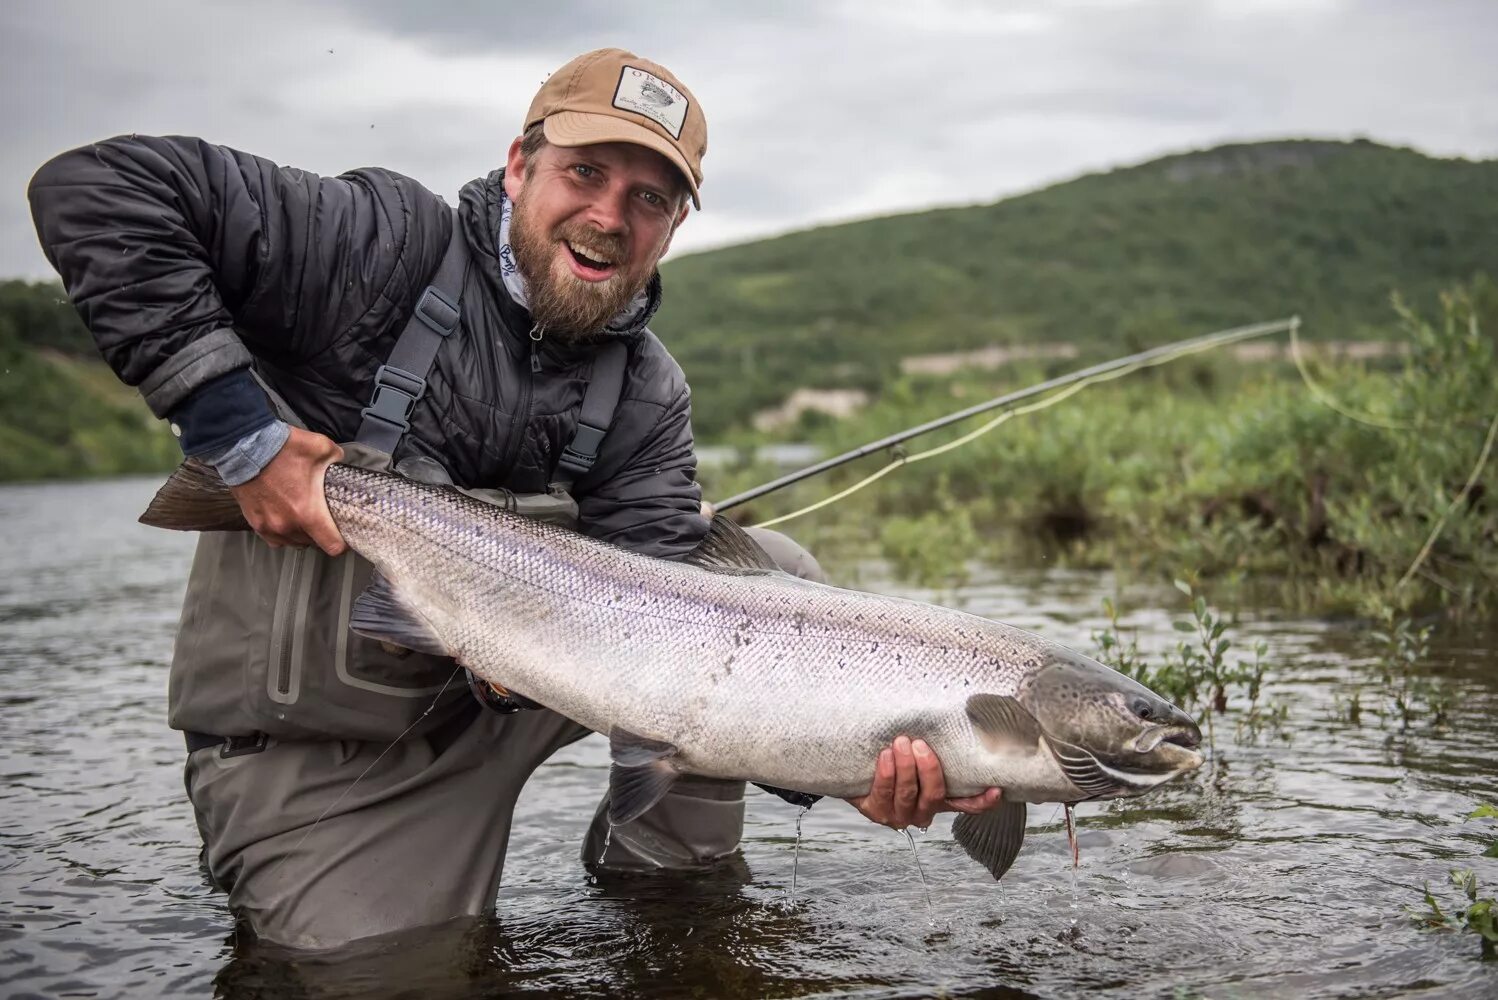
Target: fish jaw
pixel 1094 778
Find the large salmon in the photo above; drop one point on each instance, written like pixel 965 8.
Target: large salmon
pixel 721 665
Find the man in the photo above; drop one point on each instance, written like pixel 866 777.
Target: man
pixel 344 788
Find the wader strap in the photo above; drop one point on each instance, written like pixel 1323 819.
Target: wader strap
pixel 401 380
pixel 600 400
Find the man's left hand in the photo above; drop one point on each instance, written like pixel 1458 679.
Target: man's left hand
pixel 909 788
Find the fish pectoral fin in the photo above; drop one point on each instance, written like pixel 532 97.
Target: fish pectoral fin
pixel 727 548
pixel 992 838
pixel 195 499
pixel 641 776
pixel 1003 724
pixel 381 613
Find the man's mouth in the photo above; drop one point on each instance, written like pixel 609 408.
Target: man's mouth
pixel 588 262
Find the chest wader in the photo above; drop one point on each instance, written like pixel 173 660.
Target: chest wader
pixel 264 646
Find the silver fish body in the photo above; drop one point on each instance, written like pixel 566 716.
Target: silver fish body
pixel 748 674
pixel 722 666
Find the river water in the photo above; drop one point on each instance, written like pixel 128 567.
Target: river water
pixel 1284 869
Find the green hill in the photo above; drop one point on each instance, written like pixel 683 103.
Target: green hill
pixel 66 416
pixel 1132 257
pixel 1109 262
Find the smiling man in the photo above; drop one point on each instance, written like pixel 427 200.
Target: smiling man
pixel 282 321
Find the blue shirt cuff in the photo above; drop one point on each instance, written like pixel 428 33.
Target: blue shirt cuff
pixel 243 460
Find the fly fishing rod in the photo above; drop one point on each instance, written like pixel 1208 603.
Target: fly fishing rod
pixel 1076 380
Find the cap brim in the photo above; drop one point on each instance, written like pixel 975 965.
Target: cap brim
pixel 577 128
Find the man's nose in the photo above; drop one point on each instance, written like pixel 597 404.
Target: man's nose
pixel 607 209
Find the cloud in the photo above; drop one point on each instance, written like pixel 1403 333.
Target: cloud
pixel 817 112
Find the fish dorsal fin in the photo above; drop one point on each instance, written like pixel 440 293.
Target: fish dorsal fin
pixel 1003 724
pixel 381 613
pixel 641 776
pixel 195 499
pixel 992 838
pixel 726 548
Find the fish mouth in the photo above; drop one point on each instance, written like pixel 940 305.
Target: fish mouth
pixel 1187 736
pixel 1171 753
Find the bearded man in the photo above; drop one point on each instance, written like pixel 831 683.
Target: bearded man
pixel 344 788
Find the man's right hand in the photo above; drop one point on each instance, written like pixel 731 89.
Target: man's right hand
pixel 285 504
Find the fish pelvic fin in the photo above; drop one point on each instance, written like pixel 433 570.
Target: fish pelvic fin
pixel 727 549
pixel 195 499
pixel 803 799
pixel 1003 724
pixel 641 775
pixel 992 838
pixel 382 613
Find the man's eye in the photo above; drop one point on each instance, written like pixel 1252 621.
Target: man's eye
pixel 653 198
pixel 582 170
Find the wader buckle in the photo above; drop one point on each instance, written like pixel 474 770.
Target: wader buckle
pixel 239 746
pixel 395 395
pixel 229 746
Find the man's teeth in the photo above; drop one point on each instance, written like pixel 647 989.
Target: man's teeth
pixel 590 256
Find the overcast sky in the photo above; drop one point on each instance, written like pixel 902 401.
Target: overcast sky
pixel 816 112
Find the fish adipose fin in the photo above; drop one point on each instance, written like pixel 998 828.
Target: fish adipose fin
pixel 641 776
pixel 992 838
pixel 381 613
pixel 1003 724
pixel 195 499
pixel 726 548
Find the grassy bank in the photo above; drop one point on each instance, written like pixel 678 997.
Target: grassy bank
pixel 64 417
pixel 1236 473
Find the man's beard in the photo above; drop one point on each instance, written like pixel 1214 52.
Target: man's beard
pixel 566 307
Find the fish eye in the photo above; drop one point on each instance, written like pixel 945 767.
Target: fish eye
pixel 1141 708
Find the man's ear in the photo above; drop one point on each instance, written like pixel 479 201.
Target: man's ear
pixel 514 170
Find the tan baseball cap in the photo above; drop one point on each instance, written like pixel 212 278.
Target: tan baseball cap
pixel 610 95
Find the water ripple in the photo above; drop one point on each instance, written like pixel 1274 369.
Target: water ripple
pixel 1281 870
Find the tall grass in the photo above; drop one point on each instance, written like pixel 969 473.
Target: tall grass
pixel 1238 474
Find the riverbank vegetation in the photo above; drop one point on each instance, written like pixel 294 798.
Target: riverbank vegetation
pixel 1374 491
pixel 1472 914
pixel 63 414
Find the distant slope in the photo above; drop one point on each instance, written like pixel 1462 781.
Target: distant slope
pixel 65 417
pixel 1110 262
pixel 1131 257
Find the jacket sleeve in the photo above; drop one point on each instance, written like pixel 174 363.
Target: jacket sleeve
pixel 652 504
pixel 185 259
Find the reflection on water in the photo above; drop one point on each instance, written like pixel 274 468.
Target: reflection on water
pixel 1282 869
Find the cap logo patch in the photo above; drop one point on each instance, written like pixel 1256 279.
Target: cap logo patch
pixel 644 93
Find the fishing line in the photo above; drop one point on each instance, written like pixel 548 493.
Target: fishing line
pixel 345 793
pixel 1325 398
pixel 1482 460
pixel 1003 417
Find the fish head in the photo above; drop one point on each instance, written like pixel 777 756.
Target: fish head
pixel 1111 735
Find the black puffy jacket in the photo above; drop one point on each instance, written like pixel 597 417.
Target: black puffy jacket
pixel 188 260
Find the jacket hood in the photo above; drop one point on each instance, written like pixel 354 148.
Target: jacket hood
pixel 480 206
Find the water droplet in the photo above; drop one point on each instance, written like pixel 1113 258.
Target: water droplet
pixel 796 854
pixel 930 910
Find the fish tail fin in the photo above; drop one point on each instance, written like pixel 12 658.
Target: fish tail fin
pixel 195 499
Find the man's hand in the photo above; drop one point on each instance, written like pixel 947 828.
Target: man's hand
pixel 285 504
pixel 909 788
